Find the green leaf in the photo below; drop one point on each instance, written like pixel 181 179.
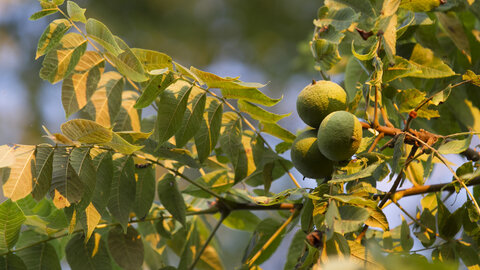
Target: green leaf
pixel 90 256
pixel 61 60
pixel 377 219
pixel 171 109
pixel 402 68
pixel 217 181
pixel 154 88
pixel 341 19
pixel 242 220
pixel 231 142
pixel 11 220
pixel 79 86
pixel 128 118
pixel 121 145
pixel 105 102
pixel 43 172
pixel 66 186
pixel 306 219
pixel 76 13
pixel 259 113
pixel 122 193
pixel 209 131
pixel 89 218
pixel 432 67
pixel 264 231
pixel 18 183
pixel 127 63
pixel 353 199
pixel 214 81
pixel 453 26
pixel 360 256
pixel 277 131
pixel 82 164
pixel 368 171
pixel 187 73
pixel 86 131
pixel 145 190
pixel 364 57
pixel 411 98
pixel 398 152
pixel 295 250
pixel 126 248
pixel 133 136
pixel 249 94
pixel 97 31
pixel 455 146
pixel 41 256
pixel 102 160
pixel 192 118
pixel 43 13
pixel 171 198
pixel 51 36
pixel 351 218
pixel 406 239
pixel 325 53
pixel 442 96
pixel 419 5
pixel 471 76
pixel 12 261
pixel 153 60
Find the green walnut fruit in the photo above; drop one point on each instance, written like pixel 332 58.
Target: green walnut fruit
pixel 306 156
pixel 339 135
pixel 318 100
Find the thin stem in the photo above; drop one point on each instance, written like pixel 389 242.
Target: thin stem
pixel 375 142
pixel 375 112
pixel 210 237
pixel 272 238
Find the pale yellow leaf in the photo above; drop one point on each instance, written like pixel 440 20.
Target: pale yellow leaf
pixel 20 179
pixel 7 158
pixel 86 131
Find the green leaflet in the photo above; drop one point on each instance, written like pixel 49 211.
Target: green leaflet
pixel 145 190
pixel 78 87
pixel 419 5
pixel 341 19
pixel 128 117
pixel 231 142
pixel 192 118
pixel 171 109
pixel 11 220
pixel 367 56
pixel 242 220
pixel 82 164
pixel 43 172
pixel 277 131
pixel 264 230
pixel 214 81
pixel 104 167
pixel 387 25
pixel 217 181
pixel 51 36
pixel 325 53
pixel 295 250
pixel 43 13
pixel 209 131
pixel 106 101
pixel 76 13
pixel 153 60
pixel 406 240
pixel 126 248
pixel 66 188
pixel 250 94
pixel 368 171
pixel 455 146
pixel 86 131
pixel 121 145
pixel 97 31
pixel 171 198
pixel 122 193
pixel 127 63
pixel 259 113
pixel 90 256
pixel 41 256
pixel 154 88
pixel 61 60
pixel 453 26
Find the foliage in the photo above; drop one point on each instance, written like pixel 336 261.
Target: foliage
pixel 120 190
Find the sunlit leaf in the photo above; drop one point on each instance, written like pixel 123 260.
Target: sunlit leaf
pixel 153 60
pixel 341 19
pixel 7 156
pixel 128 118
pixel 75 12
pixel 351 218
pixel 43 13
pixel 209 131
pixel 127 63
pixel 41 256
pixel 214 81
pixel 259 113
pixel 145 190
pixel 97 31
pixel 122 193
pixel 325 53
pixel 377 219
pixel 79 86
pixel 90 256
pixel 86 131
pixel 126 248
pixel 106 101
pixel 231 142
pixel 192 118
pixel 277 131
pixel 431 66
pixel 471 76
pixel 154 88
pixel 18 183
pixel 43 172
pixel 171 108
pixel 51 36
pixel 11 220
pixel 420 5
pixel 61 60
pixel 369 55
pixel 121 145
pixel 455 146
pixel 368 171
pixel 171 198
pixel 66 187
pixel 217 181
pixel 133 136
pixel 250 94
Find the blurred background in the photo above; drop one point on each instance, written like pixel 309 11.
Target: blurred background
pixel 261 41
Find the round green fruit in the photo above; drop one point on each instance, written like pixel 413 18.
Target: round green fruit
pixel 339 135
pixel 318 100
pixel 306 156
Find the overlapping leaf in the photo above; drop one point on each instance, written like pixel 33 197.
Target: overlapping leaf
pixel 126 248
pixel 128 117
pixel 171 198
pixel 153 60
pixel 43 172
pixel 11 220
pixel 86 131
pixel 97 31
pixel 192 117
pixel 19 180
pixel 66 187
pixel 51 36
pixel 90 256
pixel 209 131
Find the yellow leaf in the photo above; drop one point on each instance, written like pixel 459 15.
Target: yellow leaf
pixel 20 179
pixel 86 131
pixel 7 158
